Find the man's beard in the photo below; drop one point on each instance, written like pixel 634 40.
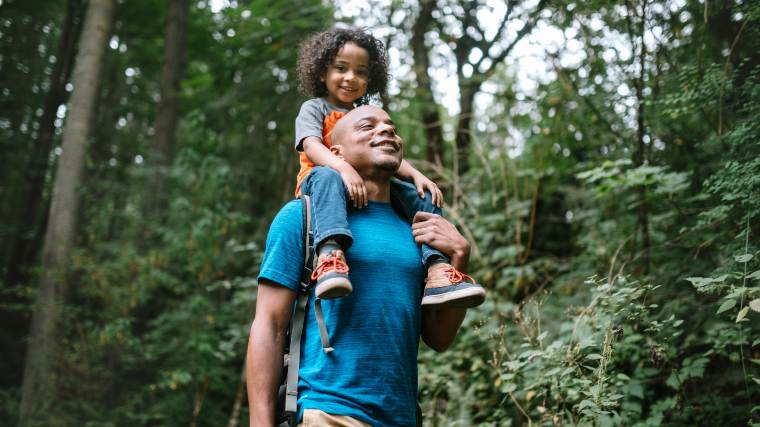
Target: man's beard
pixel 389 166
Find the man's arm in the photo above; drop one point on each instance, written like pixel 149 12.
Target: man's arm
pixel 440 326
pixel 263 365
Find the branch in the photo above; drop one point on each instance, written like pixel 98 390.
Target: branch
pixel 566 78
pixel 485 43
pixel 525 30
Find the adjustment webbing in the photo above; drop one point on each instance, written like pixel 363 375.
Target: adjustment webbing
pixel 322 328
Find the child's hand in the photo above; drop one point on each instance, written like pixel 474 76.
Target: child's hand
pixel 354 184
pixel 424 183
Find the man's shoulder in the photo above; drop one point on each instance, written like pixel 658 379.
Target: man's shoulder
pixel 283 257
pixel 290 213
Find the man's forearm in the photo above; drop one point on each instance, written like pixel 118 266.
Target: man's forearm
pixel 440 326
pixel 263 370
pixel 443 324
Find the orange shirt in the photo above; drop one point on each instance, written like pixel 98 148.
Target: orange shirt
pixel 306 164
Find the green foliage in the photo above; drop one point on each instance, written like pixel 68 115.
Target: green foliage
pixel 637 345
pixel 614 228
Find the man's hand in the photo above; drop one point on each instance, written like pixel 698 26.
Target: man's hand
pixel 354 184
pixel 435 231
pixel 423 183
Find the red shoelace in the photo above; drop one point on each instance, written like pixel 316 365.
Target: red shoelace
pixel 331 262
pixel 455 276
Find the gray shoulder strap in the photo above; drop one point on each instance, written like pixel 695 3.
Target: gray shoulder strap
pixel 291 391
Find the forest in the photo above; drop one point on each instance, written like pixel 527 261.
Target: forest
pixel 602 158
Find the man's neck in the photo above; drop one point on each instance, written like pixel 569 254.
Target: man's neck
pixel 378 191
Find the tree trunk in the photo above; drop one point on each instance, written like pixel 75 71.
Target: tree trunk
pixel 467 92
pixel 30 216
pixel 641 154
pixel 431 119
pixel 39 381
pixel 167 111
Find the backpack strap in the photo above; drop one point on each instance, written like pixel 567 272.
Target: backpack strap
pixel 326 347
pixel 309 265
pixel 291 390
pixel 297 322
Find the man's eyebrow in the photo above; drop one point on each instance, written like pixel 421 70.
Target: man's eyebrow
pixel 369 118
pixel 373 119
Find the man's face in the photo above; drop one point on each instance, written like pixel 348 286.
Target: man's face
pixel 369 141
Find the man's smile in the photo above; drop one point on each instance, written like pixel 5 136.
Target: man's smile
pixel 387 143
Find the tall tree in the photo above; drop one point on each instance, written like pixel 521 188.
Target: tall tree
pixel 38 383
pixel 168 106
pixel 32 208
pixel 431 118
pixel 478 56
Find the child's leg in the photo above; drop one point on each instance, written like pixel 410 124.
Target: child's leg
pixel 405 198
pixel 332 235
pixel 444 286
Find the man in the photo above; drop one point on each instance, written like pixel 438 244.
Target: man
pixel 371 376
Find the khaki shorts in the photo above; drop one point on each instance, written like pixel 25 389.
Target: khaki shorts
pixel 317 418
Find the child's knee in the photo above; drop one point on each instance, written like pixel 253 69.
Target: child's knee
pixel 322 176
pixel 324 173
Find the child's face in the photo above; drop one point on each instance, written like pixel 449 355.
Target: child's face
pixel 347 76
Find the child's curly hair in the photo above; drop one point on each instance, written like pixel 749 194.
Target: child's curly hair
pixel 318 51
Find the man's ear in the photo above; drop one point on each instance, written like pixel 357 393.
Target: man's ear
pixel 337 149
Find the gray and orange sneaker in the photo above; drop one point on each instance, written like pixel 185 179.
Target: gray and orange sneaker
pixel 331 275
pixel 446 286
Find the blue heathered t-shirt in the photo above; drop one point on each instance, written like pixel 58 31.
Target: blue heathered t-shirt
pixel 372 374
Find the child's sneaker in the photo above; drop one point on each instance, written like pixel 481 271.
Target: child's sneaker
pixel 445 286
pixel 331 275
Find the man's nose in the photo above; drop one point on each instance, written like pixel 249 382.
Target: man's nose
pixel 385 128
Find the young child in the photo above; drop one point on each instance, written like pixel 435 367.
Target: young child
pixel 341 69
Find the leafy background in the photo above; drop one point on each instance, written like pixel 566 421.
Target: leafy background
pixel 614 207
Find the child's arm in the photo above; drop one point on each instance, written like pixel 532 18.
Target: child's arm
pixel 408 173
pixel 322 156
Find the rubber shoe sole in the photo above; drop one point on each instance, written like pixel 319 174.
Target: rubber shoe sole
pixel 337 286
pixel 466 296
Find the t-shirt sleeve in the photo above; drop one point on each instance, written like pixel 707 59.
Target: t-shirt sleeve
pixel 283 256
pixel 309 122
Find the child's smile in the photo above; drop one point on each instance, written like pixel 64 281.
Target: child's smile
pixel 347 76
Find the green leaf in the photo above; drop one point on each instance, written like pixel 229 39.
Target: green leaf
pixel 728 305
pixel 755 304
pixel 699 281
pixel 594 356
pixel 742 313
pixel 508 387
pixel 743 258
pixel 754 275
